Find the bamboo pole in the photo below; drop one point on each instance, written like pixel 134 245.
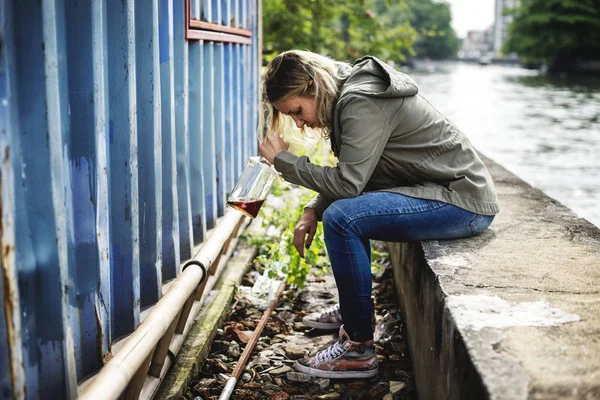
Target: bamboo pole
pixel 200 290
pixel 137 382
pixel 158 359
pixel 212 271
pixel 225 249
pixel 112 380
pixel 187 307
pixel 185 313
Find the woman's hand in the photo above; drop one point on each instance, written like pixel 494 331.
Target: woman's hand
pixel 307 225
pixel 271 146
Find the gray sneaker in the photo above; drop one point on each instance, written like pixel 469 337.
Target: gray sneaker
pixel 329 319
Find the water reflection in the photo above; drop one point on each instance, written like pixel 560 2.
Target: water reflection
pixel 546 130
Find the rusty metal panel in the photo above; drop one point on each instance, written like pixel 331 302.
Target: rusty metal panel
pixel 215 13
pixel 43 238
pixel 119 142
pixel 253 81
pixel 149 148
pixel 228 120
pixel 12 374
pixel 12 356
pixel 227 102
pixel 237 109
pixel 124 199
pixel 181 72
pixel 86 162
pixel 208 135
pixel 208 125
pixel 219 112
pixel 99 336
pixel 197 186
pixel 245 121
pixel 170 224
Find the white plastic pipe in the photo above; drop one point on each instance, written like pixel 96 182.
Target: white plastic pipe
pixel 114 377
pixel 229 388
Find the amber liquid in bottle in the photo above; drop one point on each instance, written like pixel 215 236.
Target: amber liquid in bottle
pixel 250 207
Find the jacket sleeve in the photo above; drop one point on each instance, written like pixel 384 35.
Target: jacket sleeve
pixel 319 203
pixel 364 134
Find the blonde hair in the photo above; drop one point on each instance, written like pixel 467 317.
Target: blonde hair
pixel 297 73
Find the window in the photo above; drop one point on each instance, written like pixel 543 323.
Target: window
pixel 201 30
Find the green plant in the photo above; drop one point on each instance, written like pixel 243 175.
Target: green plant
pixel 379 261
pixel 277 254
pixel 279 216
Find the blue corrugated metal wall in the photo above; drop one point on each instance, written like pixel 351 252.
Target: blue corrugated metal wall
pixel 119 141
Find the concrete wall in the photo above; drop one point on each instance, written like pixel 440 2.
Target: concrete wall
pixel 511 314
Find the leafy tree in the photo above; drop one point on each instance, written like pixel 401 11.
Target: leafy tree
pixel 368 29
pixel 436 38
pixel 297 24
pixel 559 33
pixel 344 30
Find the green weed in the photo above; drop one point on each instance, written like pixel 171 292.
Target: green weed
pixel 279 216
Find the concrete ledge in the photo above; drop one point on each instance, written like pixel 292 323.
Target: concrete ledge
pixel 197 344
pixel 511 314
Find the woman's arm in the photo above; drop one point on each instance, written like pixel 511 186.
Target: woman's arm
pixel 364 134
pixel 271 146
pixel 319 203
pixel 305 230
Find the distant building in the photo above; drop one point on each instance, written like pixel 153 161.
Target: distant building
pixel 477 44
pixel 501 22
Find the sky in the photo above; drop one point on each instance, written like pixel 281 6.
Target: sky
pixel 471 15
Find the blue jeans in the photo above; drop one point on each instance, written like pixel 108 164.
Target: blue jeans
pixel 350 224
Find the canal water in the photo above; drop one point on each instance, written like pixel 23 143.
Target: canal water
pixel 545 130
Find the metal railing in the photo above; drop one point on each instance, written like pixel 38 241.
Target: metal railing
pixel 119 140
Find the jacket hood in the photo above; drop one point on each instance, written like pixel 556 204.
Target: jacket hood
pixel 372 77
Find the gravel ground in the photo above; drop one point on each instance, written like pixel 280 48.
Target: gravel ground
pixel 269 373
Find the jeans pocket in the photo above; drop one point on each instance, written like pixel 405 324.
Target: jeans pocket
pixel 480 223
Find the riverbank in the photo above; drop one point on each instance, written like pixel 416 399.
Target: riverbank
pixel 511 314
pixel 543 129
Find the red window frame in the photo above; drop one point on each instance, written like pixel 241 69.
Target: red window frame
pixel 201 30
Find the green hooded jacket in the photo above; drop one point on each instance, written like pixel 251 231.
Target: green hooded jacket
pixel 387 137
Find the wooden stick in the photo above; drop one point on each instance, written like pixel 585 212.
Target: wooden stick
pixel 239 367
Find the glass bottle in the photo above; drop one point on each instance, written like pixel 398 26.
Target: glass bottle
pixel 252 187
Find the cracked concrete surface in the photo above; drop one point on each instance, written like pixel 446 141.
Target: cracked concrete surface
pixel 536 252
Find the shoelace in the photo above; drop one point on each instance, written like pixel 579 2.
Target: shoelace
pixel 332 310
pixel 333 351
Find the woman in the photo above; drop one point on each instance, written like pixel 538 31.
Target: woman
pixel 404 173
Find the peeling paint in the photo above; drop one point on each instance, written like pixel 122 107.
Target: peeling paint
pixel 10 299
pixel 479 311
pixel 99 334
pixel 9 315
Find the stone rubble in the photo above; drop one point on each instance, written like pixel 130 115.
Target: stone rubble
pixel 269 373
